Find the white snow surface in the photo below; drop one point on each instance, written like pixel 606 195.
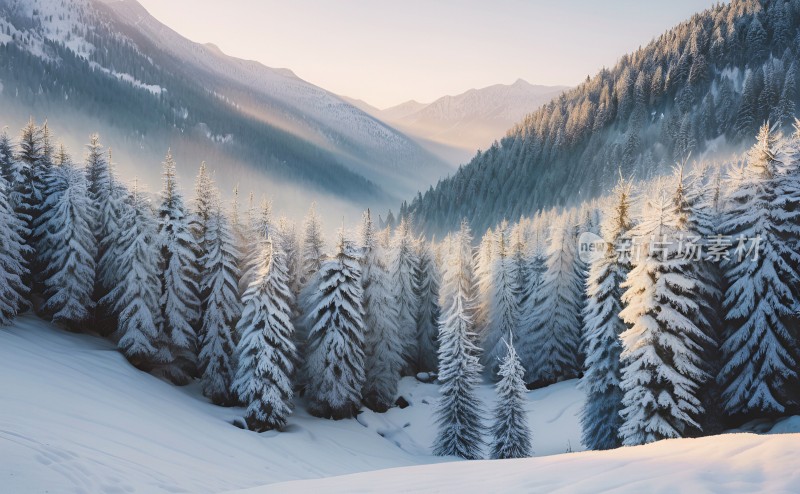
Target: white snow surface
pixel 729 463
pixel 75 417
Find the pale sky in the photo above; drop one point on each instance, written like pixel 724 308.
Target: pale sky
pixel 387 52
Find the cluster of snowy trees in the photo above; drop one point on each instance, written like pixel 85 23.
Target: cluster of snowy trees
pixel 688 335
pixel 232 298
pixel 688 320
pixel 708 83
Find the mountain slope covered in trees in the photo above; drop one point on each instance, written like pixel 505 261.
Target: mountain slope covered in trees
pixel 110 62
pixel 703 88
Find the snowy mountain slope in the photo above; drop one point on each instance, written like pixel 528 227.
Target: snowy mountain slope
pixel 110 62
pixel 76 417
pixel 471 120
pixel 331 113
pixel 728 463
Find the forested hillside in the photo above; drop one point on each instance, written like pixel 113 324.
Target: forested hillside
pixel 112 64
pixel 703 88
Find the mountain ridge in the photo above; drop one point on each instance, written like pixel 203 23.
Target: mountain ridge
pixel 456 126
pixel 700 89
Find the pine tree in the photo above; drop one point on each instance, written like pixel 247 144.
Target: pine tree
pixel 266 352
pixel 180 299
pixel 67 247
pixel 696 225
pixel 503 310
pixel 484 259
pixel 286 240
pixel 600 417
pixel 404 262
pixel 9 168
pixel 259 229
pixel 335 347
pixel 219 291
pixel 427 279
pixel 135 299
pixel 109 270
pixel 313 246
pixel 511 433
pixel 28 192
pixel 661 359
pixel 549 343
pixel 459 413
pixel 13 291
pixel 383 350
pixel 759 353
pixel 108 199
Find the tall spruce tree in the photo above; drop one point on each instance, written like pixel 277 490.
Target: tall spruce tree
pixel 67 246
pixel 28 193
pixel 259 229
pixel 135 299
pixel 402 269
pixel 761 300
pixel 504 297
pixel 383 349
pixel 219 291
pixel 13 291
pixel 313 246
pixel 266 351
pixel 550 340
pixel 600 418
pixel 511 434
pixel 180 297
pixel 661 358
pixel 459 411
pixel 427 280
pixel 9 168
pixel 335 347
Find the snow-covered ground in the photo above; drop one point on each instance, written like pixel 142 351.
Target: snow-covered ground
pixel 729 463
pixel 76 417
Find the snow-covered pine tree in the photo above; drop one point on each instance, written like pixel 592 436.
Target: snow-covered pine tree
pixel 383 350
pixel 759 353
pixel 427 279
pixel 31 152
pixel 109 271
pixel 135 299
pixel 484 259
pixel 402 268
pixel 258 230
pixel 9 168
pixel 511 434
pixel 266 351
pixel 27 194
pixel 696 226
pixel 600 418
pixel 550 337
pixel 13 291
pixel 503 310
pixel 109 199
pixel 521 264
pixel 180 297
pixel 459 411
pixel 286 240
pixel 313 246
pixel 661 359
pixel 67 247
pixel 219 292
pixel 335 347
pixel 204 205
